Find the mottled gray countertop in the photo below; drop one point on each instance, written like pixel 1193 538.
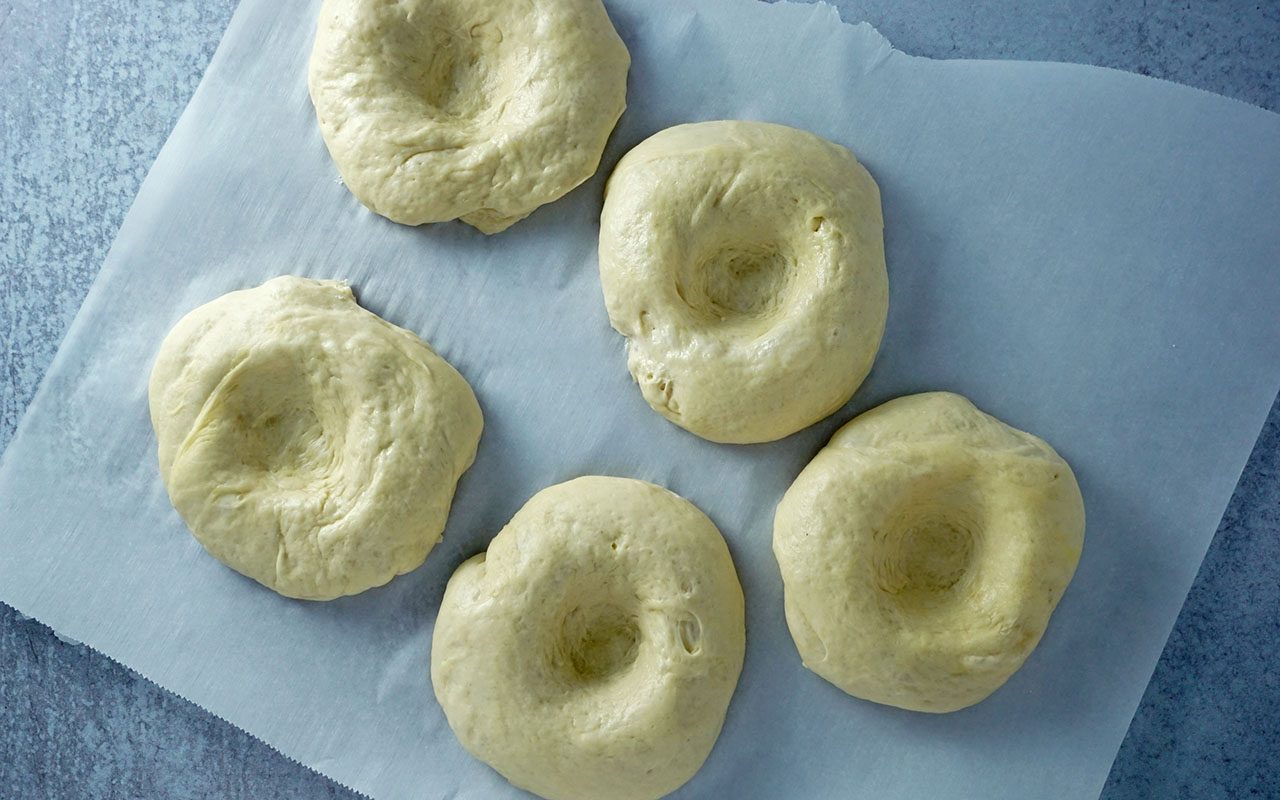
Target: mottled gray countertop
pixel 89 89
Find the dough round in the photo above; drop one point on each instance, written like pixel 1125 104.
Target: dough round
pixel 593 650
pixel 744 262
pixel 444 109
pixel 924 549
pixel 307 443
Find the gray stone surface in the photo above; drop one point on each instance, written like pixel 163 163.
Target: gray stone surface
pixel 90 89
pixel 1209 723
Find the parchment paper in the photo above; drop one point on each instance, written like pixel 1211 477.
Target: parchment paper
pixel 1087 254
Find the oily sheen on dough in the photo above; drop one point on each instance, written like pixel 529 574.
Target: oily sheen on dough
pixel 593 650
pixel 744 263
pixel 923 550
pixel 307 443
pixel 445 109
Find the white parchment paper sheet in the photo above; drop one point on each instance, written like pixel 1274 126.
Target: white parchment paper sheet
pixel 1090 255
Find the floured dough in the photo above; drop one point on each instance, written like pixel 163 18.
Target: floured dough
pixel 592 651
pixel 744 262
pixel 307 443
pixel 924 549
pixel 444 109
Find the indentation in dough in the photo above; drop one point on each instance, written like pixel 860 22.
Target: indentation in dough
pixel 598 641
pixel 271 421
pixel 921 561
pixel 659 390
pixel 738 282
pixel 445 62
pixel 802 630
pixel 690 631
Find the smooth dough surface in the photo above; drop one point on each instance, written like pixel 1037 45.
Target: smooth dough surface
pixel 923 550
pixel 445 109
pixel 593 650
pixel 307 443
pixel 744 263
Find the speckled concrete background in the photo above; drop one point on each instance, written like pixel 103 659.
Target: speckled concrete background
pixel 90 89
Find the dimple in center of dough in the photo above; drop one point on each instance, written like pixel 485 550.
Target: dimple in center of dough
pixel 599 641
pixel 281 442
pixel 741 281
pixel 443 62
pixel 922 562
pixel 274 424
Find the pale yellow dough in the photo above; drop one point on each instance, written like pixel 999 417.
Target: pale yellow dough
pixel 445 109
pixel 923 550
pixel 307 443
pixel 592 651
pixel 744 262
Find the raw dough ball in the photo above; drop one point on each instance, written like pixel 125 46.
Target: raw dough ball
pixel 744 262
pixel 444 109
pixel 592 651
pixel 923 551
pixel 307 443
